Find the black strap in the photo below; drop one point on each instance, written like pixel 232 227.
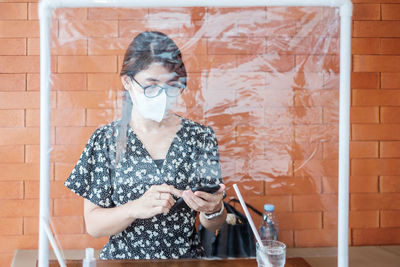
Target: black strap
pixel 248 205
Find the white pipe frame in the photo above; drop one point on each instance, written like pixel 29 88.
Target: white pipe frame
pixel 45 11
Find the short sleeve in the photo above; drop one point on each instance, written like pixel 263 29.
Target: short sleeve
pixel 208 161
pixel 91 176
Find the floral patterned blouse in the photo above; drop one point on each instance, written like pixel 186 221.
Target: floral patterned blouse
pixel 192 160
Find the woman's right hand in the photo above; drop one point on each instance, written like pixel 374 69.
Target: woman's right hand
pixel 158 199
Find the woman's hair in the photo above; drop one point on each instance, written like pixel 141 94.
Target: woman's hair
pixel 145 49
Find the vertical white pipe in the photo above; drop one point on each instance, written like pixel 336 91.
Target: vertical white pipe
pixel 45 19
pixel 344 134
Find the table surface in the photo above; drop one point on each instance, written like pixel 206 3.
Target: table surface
pixel 290 262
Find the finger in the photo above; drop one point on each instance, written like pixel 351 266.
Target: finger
pixel 160 209
pixel 168 196
pixel 197 203
pixel 162 203
pixel 168 189
pixel 208 196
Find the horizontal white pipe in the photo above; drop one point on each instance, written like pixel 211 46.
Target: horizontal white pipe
pixel 190 3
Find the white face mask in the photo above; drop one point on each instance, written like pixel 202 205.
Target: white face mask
pixel 154 108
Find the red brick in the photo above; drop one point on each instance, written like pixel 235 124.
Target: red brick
pixel 19 29
pixel 316 238
pixel 315 202
pixel 265 63
pixel 390 46
pixel 390 80
pixel 18 171
pixel 314 133
pixel 19 100
pixel 12 154
pixel 366 12
pixel 97 117
pixel 376 236
pixel 57 190
pixel 376 29
pixel 6 258
pixel 363 149
pixel 192 46
pixel 295 80
pixel 78 100
pixel 364 115
pixel 71 13
pixel 391 11
pixel 390 184
pixel 373 201
pixel 13 11
pixel 12 47
pixel 130 28
pixel 299 220
pixel 258 167
pixel 372 63
pixel 59 153
pixel 12 118
pixel 63 170
pixel 390 115
pixel 12 82
pixel 364 219
pixel 104 82
pixel 11 226
pixel 298 151
pixel 363 184
pixel 298 185
pixel 60 81
pixel 287 238
pixel 59 117
pixel 362 46
pixel 328 63
pixel 390 218
pixel 236 46
pixel 322 97
pixel 73 135
pixel 60 47
pixel 315 167
pixel 87 28
pixel 87 64
pixel 61 225
pixel 11 190
pixel 22 64
pixel 376 97
pixel 177 13
pixel 295 13
pixel 19 208
pixel 389 149
pixel 19 136
pixel 365 80
pixel 302 45
pixel 380 132
pixel 375 166
pixel 68 207
pixel 18 241
pixel 117 13
pixel 108 46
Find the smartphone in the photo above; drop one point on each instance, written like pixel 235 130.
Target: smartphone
pixel 206 188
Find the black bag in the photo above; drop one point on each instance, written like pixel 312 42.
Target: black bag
pixel 234 238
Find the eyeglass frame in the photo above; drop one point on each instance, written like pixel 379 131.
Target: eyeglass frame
pixel 161 89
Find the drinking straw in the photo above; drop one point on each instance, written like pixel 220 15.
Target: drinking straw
pixel 253 227
pixel 246 211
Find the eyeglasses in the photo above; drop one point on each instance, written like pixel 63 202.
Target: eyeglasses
pixel 173 89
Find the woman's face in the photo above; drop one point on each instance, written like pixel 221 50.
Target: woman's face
pixel 155 74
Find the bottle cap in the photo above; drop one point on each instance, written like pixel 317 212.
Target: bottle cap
pixel 269 207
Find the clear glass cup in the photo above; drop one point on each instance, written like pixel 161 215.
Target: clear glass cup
pixel 272 254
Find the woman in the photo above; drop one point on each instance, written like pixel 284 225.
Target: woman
pixel 132 170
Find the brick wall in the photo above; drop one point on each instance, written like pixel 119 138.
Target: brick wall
pixel 281 120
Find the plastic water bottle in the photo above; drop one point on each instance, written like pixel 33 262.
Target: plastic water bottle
pixel 89 260
pixel 269 225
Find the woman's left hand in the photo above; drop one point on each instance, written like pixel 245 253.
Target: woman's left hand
pixel 204 202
